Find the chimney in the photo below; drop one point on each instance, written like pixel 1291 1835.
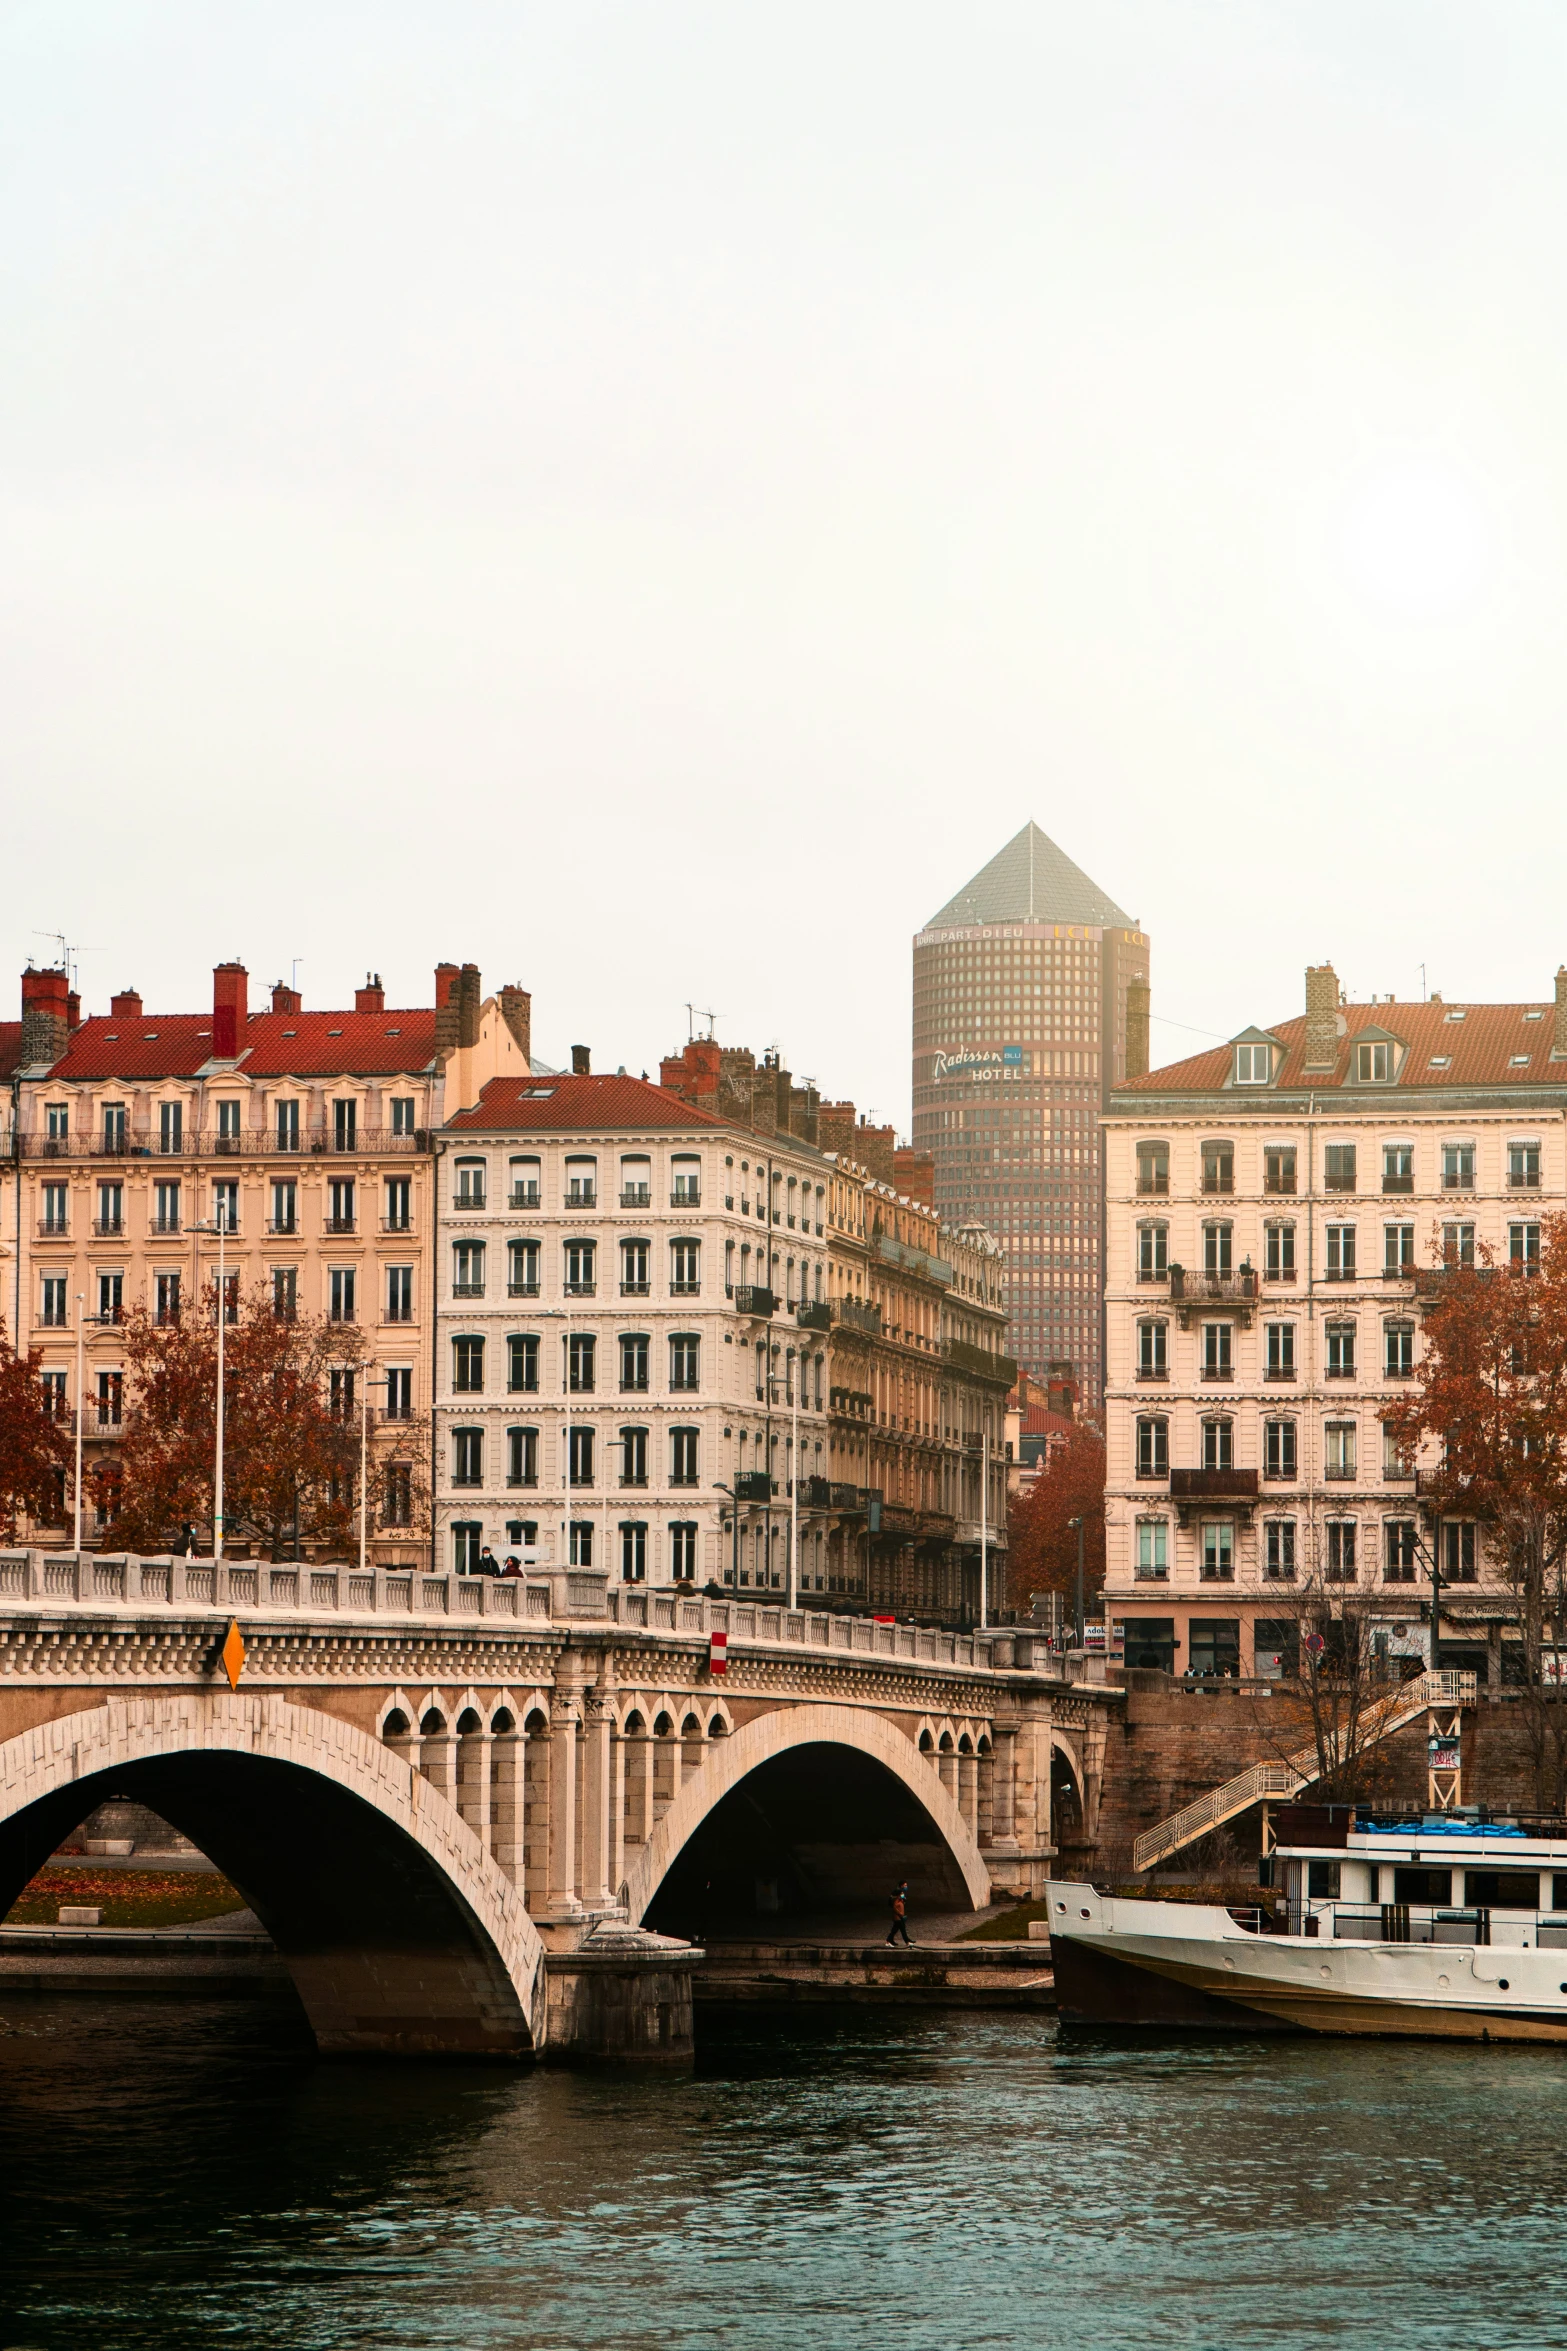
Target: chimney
pixel 46 1018
pixel 1321 1018
pixel 469 999
pixel 1138 999
pixel 228 1009
pixel 372 996
pixel 286 999
pixel 914 1174
pixel 1559 1038
pixel 126 1005
pixel 446 978
pixel 517 1013
pixel 581 1061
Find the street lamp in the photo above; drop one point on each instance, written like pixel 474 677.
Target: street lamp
pixel 792 1391
pixel 364 1451
pixel 220 1226
pixel 81 1407
pixel 734 1519
pixel 1077 1522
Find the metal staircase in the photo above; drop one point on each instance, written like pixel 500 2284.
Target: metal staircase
pixel 1249 1787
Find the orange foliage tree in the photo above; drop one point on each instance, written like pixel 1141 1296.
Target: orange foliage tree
pixel 35 1448
pixel 1041 1540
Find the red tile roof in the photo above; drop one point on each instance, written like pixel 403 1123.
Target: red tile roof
pixel 1489 1045
pixel 10 1046
pixel 274 1044
pixel 514 1105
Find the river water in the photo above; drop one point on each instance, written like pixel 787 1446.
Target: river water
pixel 176 2175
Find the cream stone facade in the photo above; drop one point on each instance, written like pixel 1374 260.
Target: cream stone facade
pixel 1277 1211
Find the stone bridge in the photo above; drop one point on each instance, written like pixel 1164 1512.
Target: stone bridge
pixel 426 1785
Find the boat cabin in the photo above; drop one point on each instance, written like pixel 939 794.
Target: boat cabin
pixel 1373 1874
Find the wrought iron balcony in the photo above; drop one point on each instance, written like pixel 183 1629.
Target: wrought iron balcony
pixel 636 1195
pixel 685 1199
pixel 753 1485
pixel 854 1315
pixel 339 1224
pixel 814 1317
pixel 584 1197
pixel 524 1196
pixel 753 1299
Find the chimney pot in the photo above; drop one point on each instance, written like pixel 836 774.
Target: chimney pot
pixel 285 999
pixel 517 1013
pixel 229 984
pixel 372 996
pixel 581 1061
pixel 126 1005
pixel 46 1015
pixel 1139 998
pixel 1559 1037
pixel 1322 1003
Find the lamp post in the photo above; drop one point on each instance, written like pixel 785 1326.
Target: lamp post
pixel 734 1519
pixel 1077 1522
pixel 984 1529
pixel 792 1391
pixel 364 1456
pixel 81 1410
pixel 220 1226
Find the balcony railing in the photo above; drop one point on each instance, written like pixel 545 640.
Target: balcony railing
pixel 284 1226
pixel 817 1317
pixel 397 1224
pixel 522 1289
pixel 150 1143
pixel 165 1225
pixel 1398 1183
pixel 579 1289
pixel 1213 1485
pixel 108 1228
pixel 855 1315
pixel 635 1289
pixel 636 1195
pixel 54 1228
pixel 1211 1289
pixel 753 1299
pixel 468 1203
pixel 585 1197
pixel 753 1485
pixel 688 1199
pixel 472 1289
pixel 524 1196
pixel 339 1224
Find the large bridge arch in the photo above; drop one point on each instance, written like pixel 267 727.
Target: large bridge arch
pixel 768 1739
pixel 401 1934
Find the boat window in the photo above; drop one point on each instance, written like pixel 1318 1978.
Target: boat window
pixel 1422 1885
pixel 1559 1891
pixel 1502 1889
pixel 1322 1880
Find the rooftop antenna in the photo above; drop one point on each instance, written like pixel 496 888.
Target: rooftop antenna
pixel 293 969
pixel 68 953
pixel 694 1013
pixel 1423 997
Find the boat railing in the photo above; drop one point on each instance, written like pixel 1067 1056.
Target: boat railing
pixel 1408 1922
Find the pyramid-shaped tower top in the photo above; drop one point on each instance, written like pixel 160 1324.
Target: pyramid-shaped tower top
pixel 1030 880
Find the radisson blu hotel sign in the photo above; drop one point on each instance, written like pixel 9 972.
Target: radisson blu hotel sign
pixel 981 1067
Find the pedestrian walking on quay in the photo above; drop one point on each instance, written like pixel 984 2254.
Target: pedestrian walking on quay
pixel 900 1914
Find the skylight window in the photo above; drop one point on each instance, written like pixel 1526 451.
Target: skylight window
pixel 1534 1016
pixel 1454 1016
pixel 394 1032
pixel 1519 1061
pixel 1441 1061
pixel 538 1093
pixel 291 1032
pixel 334 1032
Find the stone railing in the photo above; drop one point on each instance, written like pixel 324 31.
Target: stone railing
pixel 100 1584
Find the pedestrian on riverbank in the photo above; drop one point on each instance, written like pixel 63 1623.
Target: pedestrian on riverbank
pixel 900 1914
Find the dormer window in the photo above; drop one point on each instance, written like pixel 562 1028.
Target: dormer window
pixel 1253 1065
pixel 1374 1063
pixel 1447 1016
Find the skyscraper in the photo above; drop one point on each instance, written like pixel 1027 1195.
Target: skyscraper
pixel 1030 1002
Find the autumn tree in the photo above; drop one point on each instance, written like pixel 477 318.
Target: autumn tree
pixel 1330 1703
pixel 1041 1540
pixel 1490 1391
pixel 35 1447
pixel 292 1403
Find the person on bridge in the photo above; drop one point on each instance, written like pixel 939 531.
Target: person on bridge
pixel 900 1914
pixel 488 1563
pixel 513 1564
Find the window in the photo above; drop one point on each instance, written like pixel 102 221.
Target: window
pixel 1339 1452
pixel 168 1297
pixel 225 1206
pixel 582 1456
pixel 1523 1167
pixel 684 1269
pixel 633 1363
pixel 468 1367
pixel 286 1125
pixel 467 1269
pixel 228 1125
pixel 1373 1063
pixel 402 1114
pixel 399 1293
pixel 1278 1550
pixel 633 1457
pixel 1398 1167
pixel 687 1169
pixel 1398 1350
pixel 582 1363
pixel 1396 1462
pixel 171 1126
pixel 579 1269
pixel 114 1126
pixel 285 1206
pixel 1152 1358
pixel 341 1293
pixel 522 1364
pixel 684 1372
pixel 1458 1244
pixel 111 1208
pixel 525 1183
pixel 397 1494
pixel 399 1204
pixel 341 1384
pixel 636 1181
pixel 1153 1555
pixel 1278 1168
pixel 522 1457
pixel 1458 1551
pixel 467 1457
pixel 53 1385
pixel 1218 1552
pixel 1278 1451
pixel 1153 1167
pixel 682 1550
pixel 54 1206
pixel 581 1183
pixel 1279 1339
pixel 1523 1248
pixel 1217 1249
pixel 1398 1249
pixel 1400 1554
pixel 633 1551
pixel 111 1296
pixel 1218 1167
pixel 1216 1364
pixel 1340 1565
pixel 1338 1167
pixel 467 1543
pixel 1341 1253
pixel 580 1543
pixel 1458 1167
pixel 1341 1350
pixel 166 1208
pixel 399 1392
pixel 1278 1253
pixel 522 1269
pixel 682 1457
pixel 1218 1444
pixel 633 1269
pixel 1153 1449
pixel 57 1122
pixel 1253 1064
pixel 1153 1252
pixel 345 1125
pixel 285 1293
pixel 470 1184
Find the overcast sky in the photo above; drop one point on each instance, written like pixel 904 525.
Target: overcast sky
pixel 650 497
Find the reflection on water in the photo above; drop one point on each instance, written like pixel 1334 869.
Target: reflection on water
pixel 179 2176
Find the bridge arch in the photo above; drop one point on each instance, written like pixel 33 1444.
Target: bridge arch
pixel 729 1763
pixel 400 1932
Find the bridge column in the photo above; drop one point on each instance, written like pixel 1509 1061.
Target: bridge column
pixel 536 1752
pixel 1003 1774
pixel 968 1791
pixel 985 1807
pixel 615 1873
pixel 560 1896
pixel 473 1775
pixel 438 1753
pixel 639 1753
pixel 947 1767
pixel 597 1724
pixel 508 1824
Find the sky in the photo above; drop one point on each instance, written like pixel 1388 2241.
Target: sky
pixel 649 498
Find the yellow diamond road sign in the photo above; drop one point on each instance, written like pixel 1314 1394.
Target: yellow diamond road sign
pixel 232 1654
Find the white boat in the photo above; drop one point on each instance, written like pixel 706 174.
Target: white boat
pixel 1433 1925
